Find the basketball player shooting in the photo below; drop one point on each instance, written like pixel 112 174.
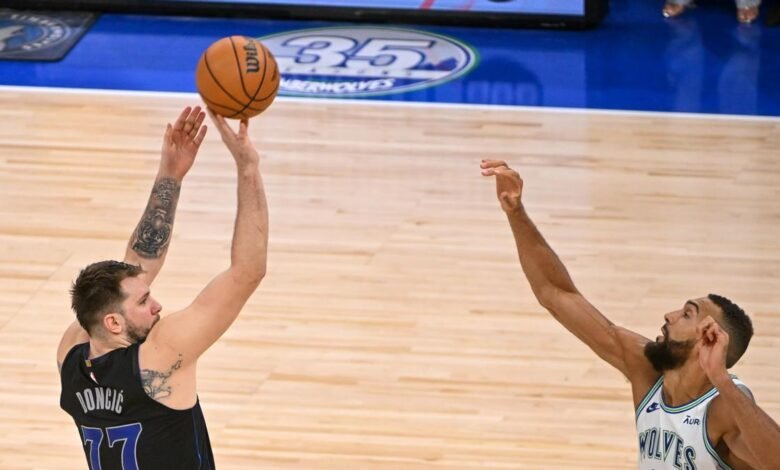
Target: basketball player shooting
pixel 691 414
pixel 127 375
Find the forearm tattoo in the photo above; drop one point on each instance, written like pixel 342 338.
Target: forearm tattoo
pixel 155 383
pixel 153 233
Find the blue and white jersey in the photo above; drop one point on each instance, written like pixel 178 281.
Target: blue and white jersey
pixel 675 437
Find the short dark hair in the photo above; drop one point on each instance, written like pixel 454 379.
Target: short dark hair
pixel 97 291
pixel 737 324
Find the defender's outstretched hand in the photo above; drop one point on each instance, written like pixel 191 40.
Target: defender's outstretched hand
pixel 239 143
pixel 509 185
pixel 181 142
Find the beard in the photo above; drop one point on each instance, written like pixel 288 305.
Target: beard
pixel 138 334
pixel 668 354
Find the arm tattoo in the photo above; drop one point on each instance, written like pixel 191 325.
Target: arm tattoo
pixel 153 233
pixel 155 383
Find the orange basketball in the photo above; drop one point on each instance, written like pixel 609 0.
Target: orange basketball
pixel 237 77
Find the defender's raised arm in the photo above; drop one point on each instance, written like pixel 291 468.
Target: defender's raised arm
pixel 555 289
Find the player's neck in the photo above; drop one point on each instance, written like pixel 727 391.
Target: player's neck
pixel 98 347
pixel 685 384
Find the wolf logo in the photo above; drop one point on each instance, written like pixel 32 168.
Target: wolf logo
pixel 7 33
pixel 24 32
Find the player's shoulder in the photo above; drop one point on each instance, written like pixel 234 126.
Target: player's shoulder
pixel 719 417
pixel 643 386
pixel 73 336
pixel 741 386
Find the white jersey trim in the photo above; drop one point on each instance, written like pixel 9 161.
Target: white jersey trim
pixel 710 448
pixel 690 405
pixel 647 397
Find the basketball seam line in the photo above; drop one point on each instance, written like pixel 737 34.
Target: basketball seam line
pixel 208 68
pixel 262 80
pixel 265 72
pixel 213 103
pixel 238 63
pixel 269 56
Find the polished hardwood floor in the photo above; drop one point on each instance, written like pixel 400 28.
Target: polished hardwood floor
pixel 395 329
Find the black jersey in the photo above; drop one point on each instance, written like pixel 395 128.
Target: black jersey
pixel 120 426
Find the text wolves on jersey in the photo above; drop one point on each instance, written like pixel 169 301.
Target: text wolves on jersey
pixel 657 444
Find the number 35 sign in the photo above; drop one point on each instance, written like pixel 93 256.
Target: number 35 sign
pixel 366 61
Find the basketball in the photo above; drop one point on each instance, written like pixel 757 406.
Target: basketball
pixel 237 77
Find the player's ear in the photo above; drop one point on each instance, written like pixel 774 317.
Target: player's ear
pixel 113 322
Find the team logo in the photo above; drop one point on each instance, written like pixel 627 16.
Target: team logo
pixel 366 61
pixel 652 407
pixel 25 32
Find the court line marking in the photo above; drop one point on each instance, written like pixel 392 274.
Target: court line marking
pixel 409 104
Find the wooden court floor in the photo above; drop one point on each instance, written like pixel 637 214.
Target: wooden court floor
pixel 395 329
